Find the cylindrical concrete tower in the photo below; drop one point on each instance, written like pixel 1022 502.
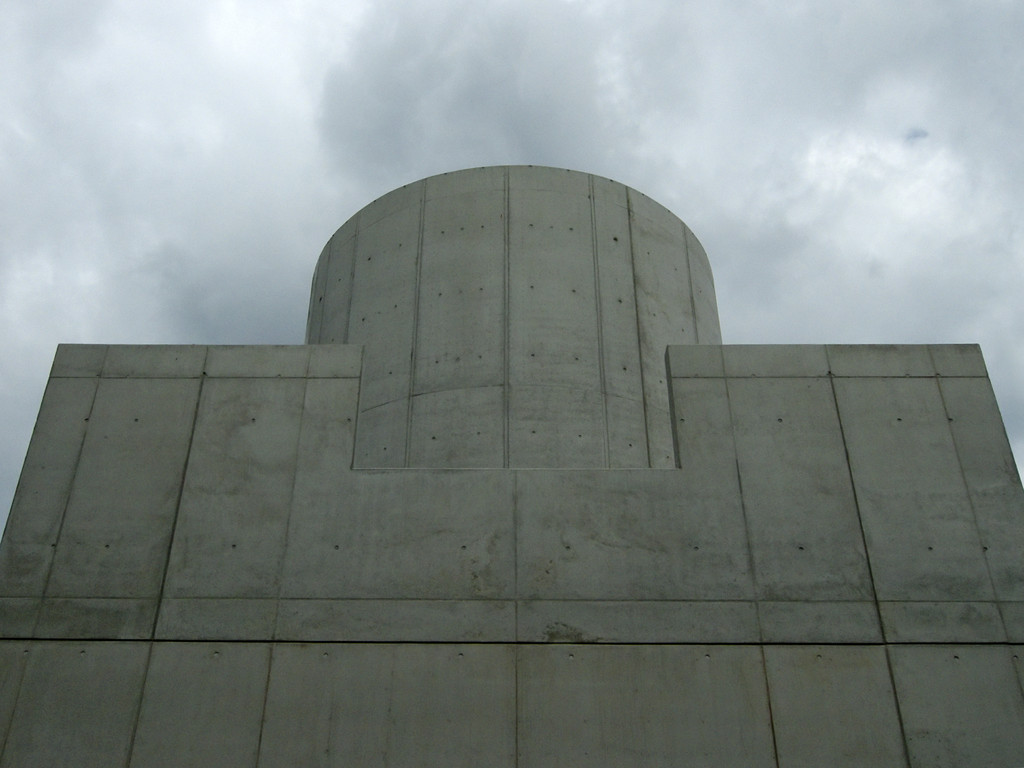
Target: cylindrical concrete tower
pixel 513 317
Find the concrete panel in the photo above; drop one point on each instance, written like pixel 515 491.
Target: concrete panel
pixel 257 361
pixel 705 304
pixel 335 361
pixel 819 622
pixel 315 315
pixel 337 287
pixel 833 706
pixel 384 290
pixel 76 360
pixel 801 514
pixel 415 534
pixel 460 339
pixel 880 360
pixel 458 428
pixel 643 705
pixel 961 705
pixel 553 323
pixel 99 618
pixel 702 425
pixel 627 433
pixel 326 435
pixel 942 623
pixel 216 619
pixel 77 705
pixel 230 533
pixel 694 362
pixel 775 360
pixel 18 616
pixel 992 480
pixel 1013 621
pixel 628 534
pixel 118 523
pixel 12 665
pixel 556 427
pixel 202 705
pixel 648 621
pixel 380 438
pixel 154 361
pixel 918 523
pixel 958 360
pixel 381 705
pixel 412 621
pixel 37 512
pixel 620 346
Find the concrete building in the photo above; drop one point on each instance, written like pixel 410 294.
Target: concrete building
pixel 514 503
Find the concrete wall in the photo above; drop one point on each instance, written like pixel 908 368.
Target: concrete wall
pixel 192 574
pixel 513 317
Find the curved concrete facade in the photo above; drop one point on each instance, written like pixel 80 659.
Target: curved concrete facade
pixel 513 317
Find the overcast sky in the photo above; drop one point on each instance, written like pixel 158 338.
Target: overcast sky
pixel 170 171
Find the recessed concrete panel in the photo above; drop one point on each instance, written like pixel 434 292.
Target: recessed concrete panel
pixel 458 428
pixel 880 360
pixel 77 705
pixel 702 288
pixel 342 705
pixel 630 705
pixel 942 622
pixel 118 523
pixel 37 512
pixel 696 362
pixel 919 526
pixel 99 618
pixel 336 293
pixel 202 705
pixel 431 621
pixel 627 435
pixel 800 509
pixel 154 361
pixel 230 533
pixel 556 426
pixel 410 534
pixel 628 534
pixel 807 621
pixel 702 425
pixel 992 479
pixel 1013 621
pixel 381 436
pixel 18 616
pixel 343 361
pixel 960 705
pixel 76 360
pixel 833 705
pixel 638 621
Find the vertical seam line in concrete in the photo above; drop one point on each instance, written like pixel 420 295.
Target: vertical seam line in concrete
pixel 689 282
pixel 71 488
pixel 266 697
pixel 856 498
pixel 515 556
pixel 896 701
pixel 291 506
pixel 507 311
pixel 601 362
pixel 415 323
pixel 743 509
pixel 138 706
pixel 639 331
pixel 768 701
pixel 323 287
pixel 181 495
pixel 967 493
pixel 26 654
pixel 351 276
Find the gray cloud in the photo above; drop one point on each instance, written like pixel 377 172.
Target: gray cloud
pixel 170 173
